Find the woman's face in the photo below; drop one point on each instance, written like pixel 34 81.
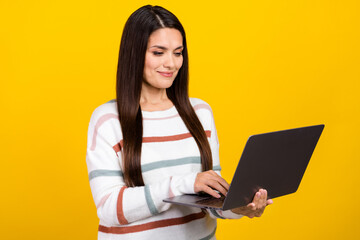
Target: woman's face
pixel 163 57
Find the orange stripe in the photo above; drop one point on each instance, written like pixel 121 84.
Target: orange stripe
pixel 120 212
pixel 172 138
pixel 167 138
pixel 119 145
pixel 152 225
pixel 208 133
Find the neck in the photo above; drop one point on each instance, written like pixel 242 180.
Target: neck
pixel 154 99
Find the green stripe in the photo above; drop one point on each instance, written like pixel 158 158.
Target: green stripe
pixel 213 211
pixel 150 166
pixel 149 201
pixel 217 168
pixel 210 236
pixel 170 163
pixel 111 101
pixel 102 173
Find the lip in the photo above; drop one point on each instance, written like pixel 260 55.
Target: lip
pixel 166 74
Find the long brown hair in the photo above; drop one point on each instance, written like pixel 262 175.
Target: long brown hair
pixel 133 47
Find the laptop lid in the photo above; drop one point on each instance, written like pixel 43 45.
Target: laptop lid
pixel 273 161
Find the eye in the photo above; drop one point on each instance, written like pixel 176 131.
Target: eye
pixel 157 53
pixel 178 54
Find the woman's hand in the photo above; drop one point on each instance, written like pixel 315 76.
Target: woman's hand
pixel 256 207
pixel 210 182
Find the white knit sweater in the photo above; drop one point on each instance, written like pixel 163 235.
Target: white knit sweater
pixel 170 161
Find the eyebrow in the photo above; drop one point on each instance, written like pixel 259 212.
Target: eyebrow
pixel 164 48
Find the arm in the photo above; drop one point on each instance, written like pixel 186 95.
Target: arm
pixel 117 204
pixel 210 180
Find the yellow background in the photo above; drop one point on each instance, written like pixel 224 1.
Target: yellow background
pixel 262 66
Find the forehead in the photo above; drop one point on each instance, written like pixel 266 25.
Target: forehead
pixel 166 37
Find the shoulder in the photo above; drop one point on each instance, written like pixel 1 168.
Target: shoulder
pixel 202 110
pixel 199 105
pixel 105 117
pixel 197 101
pixel 104 122
pixel 108 108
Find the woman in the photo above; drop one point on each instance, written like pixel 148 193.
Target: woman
pixel 154 142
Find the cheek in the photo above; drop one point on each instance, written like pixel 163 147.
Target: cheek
pixel 150 60
pixel 149 65
pixel 179 63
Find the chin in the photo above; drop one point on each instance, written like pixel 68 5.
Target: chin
pixel 159 83
pixel 165 84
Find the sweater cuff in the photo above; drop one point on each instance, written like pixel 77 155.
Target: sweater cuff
pixel 183 184
pixel 230 215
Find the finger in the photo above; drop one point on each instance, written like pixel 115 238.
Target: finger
pixel 217 186
pixel 262 199
pixel 256 199
pixel 221 180
pixel 202 180
pixel 269 201
pixel 210 191
pixel 265 195
pixel 251 206
pixel 262 202
pixel 223 183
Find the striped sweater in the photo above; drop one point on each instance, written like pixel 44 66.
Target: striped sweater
pixel 170 161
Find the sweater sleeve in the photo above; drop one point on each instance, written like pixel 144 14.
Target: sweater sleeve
pixel 116 203
pixel 214 145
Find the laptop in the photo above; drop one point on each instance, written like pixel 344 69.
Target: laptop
pixel 274 161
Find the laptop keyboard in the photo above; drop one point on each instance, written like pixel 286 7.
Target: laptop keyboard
pixel 211 201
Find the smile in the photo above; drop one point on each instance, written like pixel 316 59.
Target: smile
pixel 166 74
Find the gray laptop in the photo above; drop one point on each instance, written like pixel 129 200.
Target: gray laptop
pixel 273 161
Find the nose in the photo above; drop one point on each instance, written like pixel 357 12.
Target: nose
pixel 169 61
